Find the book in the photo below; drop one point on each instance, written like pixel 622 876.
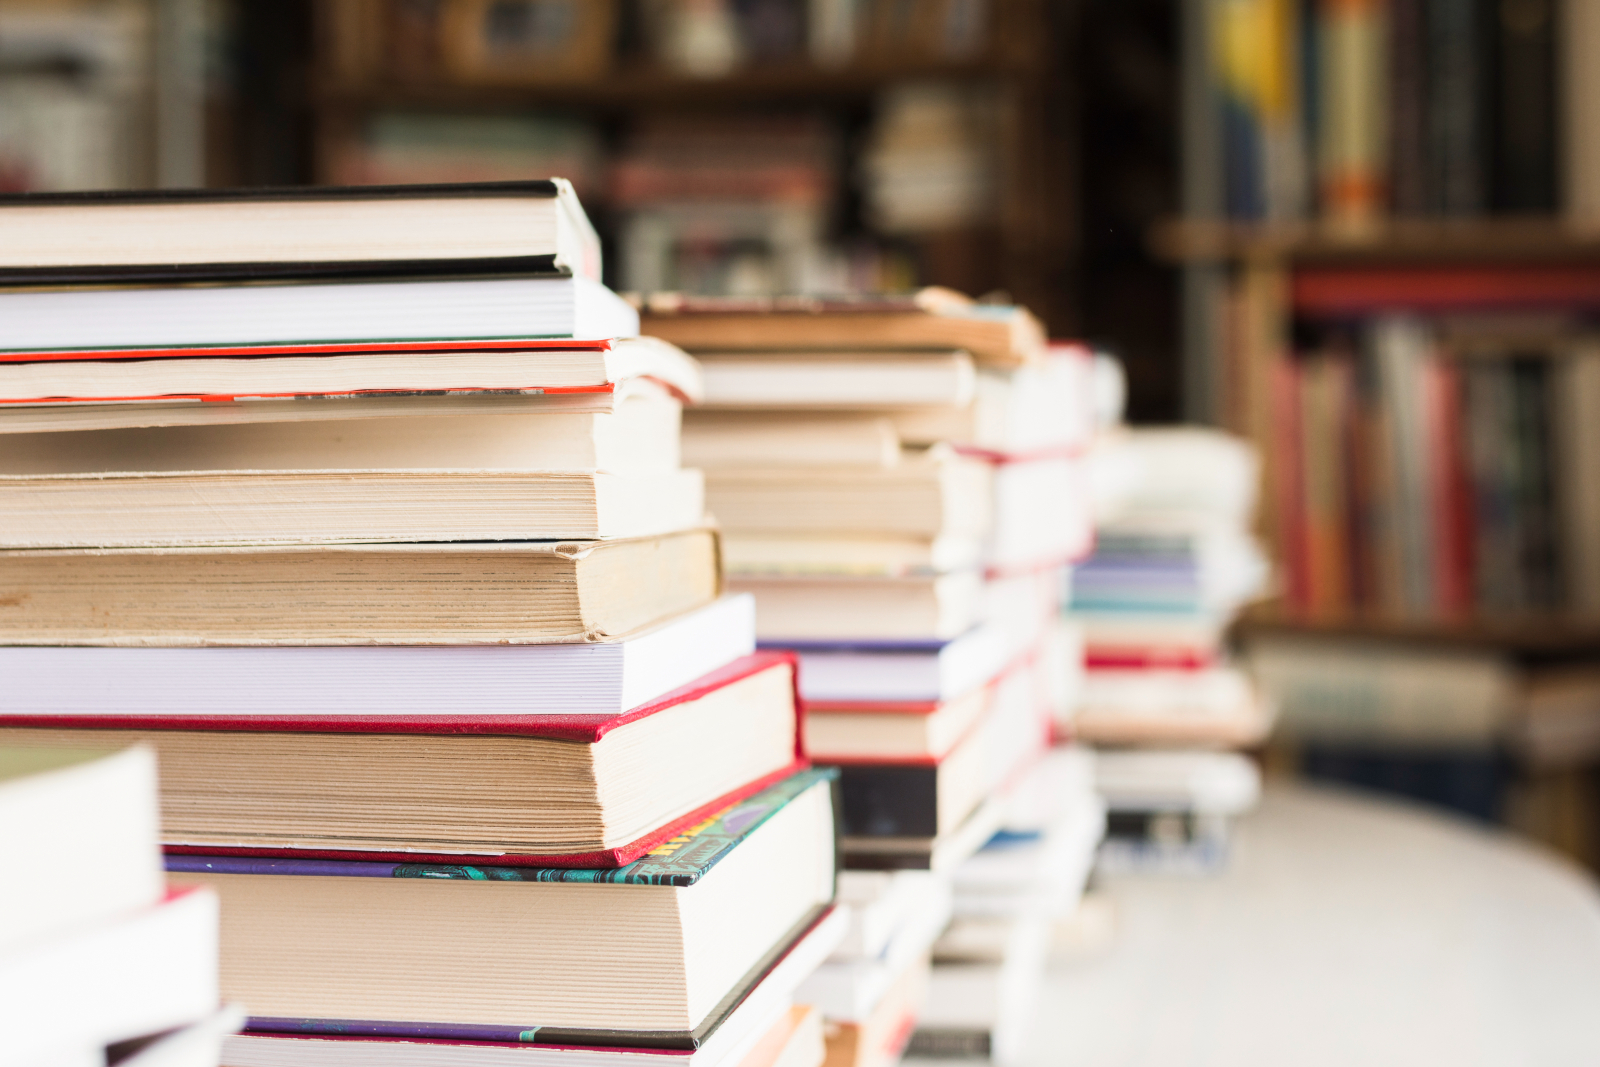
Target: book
pixel 197 1045
pixel 638 437
pixel 878 904
pixel 797 1041
pixel 716 439
pixel 296 232
pixel 58 805
pixel 928 496
pixel 560 790
pixel 901 671
pixel 1458 105
pixel 304 507
pixel 312 945
pixel 263 372
pixel 1579 139
pixel 310 312
pixel 765 1007
pixel 1041 409
pixel 875 379
pixel 880 555
pixel 848 990
pixel 924 797
pixel 880 1038
pixel 1210 706
pixel 146 971
pixel 996 335
pixel 438 682
pixel 51 416
pixel 1526 108
pixel 530 592
pixel 865 607
pixel 1376 693
pixel 982 1008
pixel 909 730
pixel 938 854
pixel 1352 65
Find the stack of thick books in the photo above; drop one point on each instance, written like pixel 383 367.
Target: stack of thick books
pixel 381 541
pixel 899 483
pixel 1173 562
pixel 108 963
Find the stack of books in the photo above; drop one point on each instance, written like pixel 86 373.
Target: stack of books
pixel 900 484
pixel 1009 900
pixel 1173 563
pixel 110 967
pixel 381 541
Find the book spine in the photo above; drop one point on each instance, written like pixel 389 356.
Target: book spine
pixel 1457 111
pixel 1408 187
pixel 1353 134
pixel 1538 557
pixel 1580 105
pixel 1524 142
pixel 883 800
pixel 1288 392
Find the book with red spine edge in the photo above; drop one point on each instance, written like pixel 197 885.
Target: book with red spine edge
pixel 1129 657
pixel 585 729
pixel 340 348
pixel 1342 291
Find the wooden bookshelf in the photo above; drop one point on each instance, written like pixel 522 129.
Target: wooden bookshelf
pixel 1527 634
pixel 1028 251
pixel 1499 240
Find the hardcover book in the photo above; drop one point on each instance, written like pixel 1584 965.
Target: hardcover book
pixel 568 790
pixel 653 954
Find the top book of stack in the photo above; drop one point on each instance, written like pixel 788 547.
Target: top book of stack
pixel 199 235
pixel 1000 336
pixel 195 268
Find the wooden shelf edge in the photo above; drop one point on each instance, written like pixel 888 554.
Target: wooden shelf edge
pixel 1501 238
pixel 1515 633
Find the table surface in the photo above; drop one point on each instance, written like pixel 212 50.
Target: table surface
pixel 1345 931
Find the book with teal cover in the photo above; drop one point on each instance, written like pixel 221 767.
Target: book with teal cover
pixel 681 860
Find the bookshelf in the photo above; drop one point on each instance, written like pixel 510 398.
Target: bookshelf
pixel 1022 247
pixel 1389 256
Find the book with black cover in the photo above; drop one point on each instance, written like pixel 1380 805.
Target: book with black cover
pixel 208 235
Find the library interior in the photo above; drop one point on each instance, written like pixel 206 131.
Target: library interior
pixel 1104 496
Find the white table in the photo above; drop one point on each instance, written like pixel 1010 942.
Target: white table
pixel 1347 932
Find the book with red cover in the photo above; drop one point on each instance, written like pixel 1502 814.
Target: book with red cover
pixel 463 788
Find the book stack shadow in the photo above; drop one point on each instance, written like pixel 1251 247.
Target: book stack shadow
pixel 1161 701
pixel 364 511
pixel 900 483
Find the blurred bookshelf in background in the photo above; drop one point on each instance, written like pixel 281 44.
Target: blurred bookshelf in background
pixel 1390 244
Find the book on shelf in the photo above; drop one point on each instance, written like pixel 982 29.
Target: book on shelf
pixel 681 908
pixel 607 788
pixel 211 235
pixel 522 592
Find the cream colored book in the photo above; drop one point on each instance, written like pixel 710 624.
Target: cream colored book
pixel 380 594
pixel 837 379
pixel 654 953
pixel 909 608
pixel 332 506
pixel 717 439
pixel 926 496
pixel 766 555
pixel 640 436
